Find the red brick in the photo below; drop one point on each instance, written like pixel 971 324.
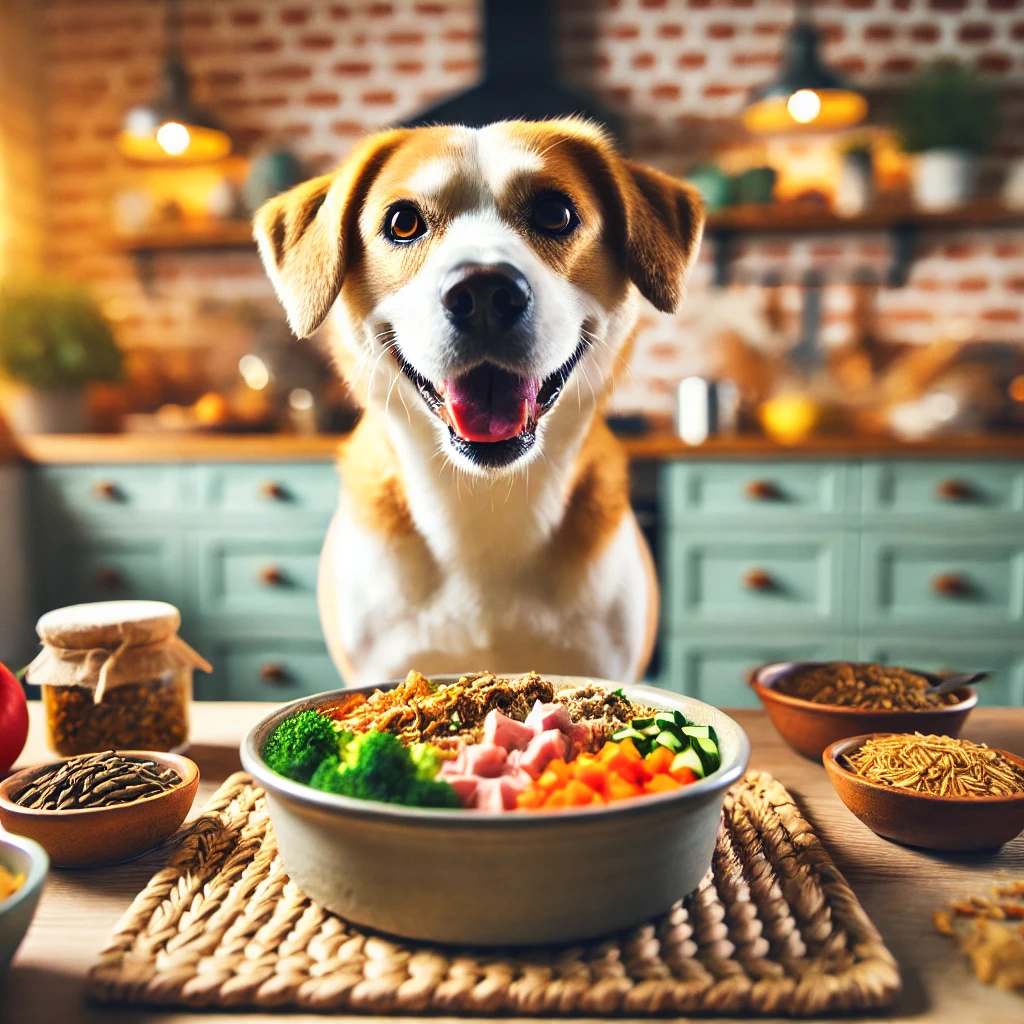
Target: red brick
pixel 924 33
pixel 460 66
pixel 671 30
pixel 272 102
pixel 663 350
pixel 769 28
pixel 690 61
pixel 721 30
pixel 352 68
pixel 620 94
pixel 910 316
pixel 666 91
pixel 340 12
pixel 316 41
pixel 947 5
pixel 653 5
pixel 246 17
pixel 405 38
pixel 1004 5
pixel 852 65
pixel 405 67
pixel 1007 250
pixel 265 45
pixel 221 78
pixel 623 31
pixel 700 5
pixel 1017 31
pixel 858 5
pixel 766 58
pixel 643 61
pixel 1014 284
pixel 898 65
pixel 775 250
pixel 995 63
pixel 380 10
pixel 716 90
pixel 972 284
pixel 347 128
pixel 287 73
pixel 959 250
pixel 379 97
pixel 975 32
pixel 879 32
pixel 322 98
pixel 295 15
pixel 296 131
pixel 1001 316
pixel 431 10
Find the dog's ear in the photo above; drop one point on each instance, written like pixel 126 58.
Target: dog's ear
pixel 308 236
pixel 664 220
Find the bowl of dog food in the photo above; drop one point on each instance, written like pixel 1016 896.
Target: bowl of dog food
pixel 23 868
pixel 815 703
pixel 930 791
pixel 101 808
pixel 495 811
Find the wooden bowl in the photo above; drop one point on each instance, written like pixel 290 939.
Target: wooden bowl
pixel 102 835
pixel 809 728
pixel 951 824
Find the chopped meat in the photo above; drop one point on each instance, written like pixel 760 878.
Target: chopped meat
pixel 506 732
pixel 543 749
pixel 485 760
pixel 497 795
pixel 465 787
pixel 544 717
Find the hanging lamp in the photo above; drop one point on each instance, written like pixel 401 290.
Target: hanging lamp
pixel 807 94
pixel 172 128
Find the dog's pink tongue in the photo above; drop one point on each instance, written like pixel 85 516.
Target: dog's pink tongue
pixel 490 404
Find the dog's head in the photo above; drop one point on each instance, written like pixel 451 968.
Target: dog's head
pixel 481 270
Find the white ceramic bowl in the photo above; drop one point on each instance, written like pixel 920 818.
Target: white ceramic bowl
pixel 26 857
pixel 484 879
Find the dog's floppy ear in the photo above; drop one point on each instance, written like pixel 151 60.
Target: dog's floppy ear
pixel 307 236
pixel 664 220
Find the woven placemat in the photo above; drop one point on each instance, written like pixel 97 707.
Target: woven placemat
pixel 773 929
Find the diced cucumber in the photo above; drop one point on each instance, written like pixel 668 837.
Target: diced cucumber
pixel 681 719
pixel 669 740
pixel 666 719
pixel 707 750
pixel 629 733
pixel 651 730
pixel 689 758
pixel 641 723
pixel 697 730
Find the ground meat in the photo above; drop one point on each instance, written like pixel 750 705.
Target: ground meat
pixel 863 685
pixel 603 710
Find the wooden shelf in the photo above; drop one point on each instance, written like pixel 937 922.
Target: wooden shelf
pixel 221 235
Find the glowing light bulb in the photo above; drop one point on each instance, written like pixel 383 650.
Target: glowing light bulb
pixel 254 372
pixel 804 106
pixel 173 138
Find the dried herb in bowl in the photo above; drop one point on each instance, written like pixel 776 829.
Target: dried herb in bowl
pixel 96 780
pixel 937 765
pixel 864 685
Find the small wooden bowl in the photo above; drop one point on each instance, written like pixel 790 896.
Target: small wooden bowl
pixel 102 835
pixel 950 824
pixel 809 728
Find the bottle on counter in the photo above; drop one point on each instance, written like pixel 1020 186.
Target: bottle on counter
pixel 115 675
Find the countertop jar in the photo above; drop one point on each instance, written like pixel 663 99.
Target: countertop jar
pixel 115 674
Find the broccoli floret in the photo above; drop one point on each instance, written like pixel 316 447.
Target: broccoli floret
pixel 300 743
pixel 378 766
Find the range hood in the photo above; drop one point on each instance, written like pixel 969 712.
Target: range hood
pixel 520 73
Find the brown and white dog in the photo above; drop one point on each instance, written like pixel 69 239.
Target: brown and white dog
pixel 482 287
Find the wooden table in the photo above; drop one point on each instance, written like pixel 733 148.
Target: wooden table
pixel 899 888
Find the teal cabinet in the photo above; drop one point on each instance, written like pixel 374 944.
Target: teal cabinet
pixel 899 560
pixel 261 668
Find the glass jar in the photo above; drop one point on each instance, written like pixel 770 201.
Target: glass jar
pixel 115 675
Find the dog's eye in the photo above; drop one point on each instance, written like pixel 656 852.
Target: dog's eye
pixel 554 214
pixel 404 224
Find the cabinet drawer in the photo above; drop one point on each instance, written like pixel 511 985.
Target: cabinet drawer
pixel 110 569
pixel 949 582
pixel 729 579
pixel 1004 660
pixel 716 670
pixel 269 489
pixel 278 670
pixel 757 491
pixel 947 491
pixel 105 491
pixel 259 574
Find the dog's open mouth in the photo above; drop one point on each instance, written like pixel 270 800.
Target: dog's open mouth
pixel 491 412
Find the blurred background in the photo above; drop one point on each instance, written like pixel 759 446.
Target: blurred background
pixel 825 441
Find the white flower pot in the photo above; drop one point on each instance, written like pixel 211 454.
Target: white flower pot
pixel 32 411
pixel 943 179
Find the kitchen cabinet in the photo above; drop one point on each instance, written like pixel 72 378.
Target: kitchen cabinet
pixel 763 556
pixel 916 561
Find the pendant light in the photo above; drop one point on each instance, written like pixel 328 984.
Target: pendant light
pixel 807 95
pixel 171 128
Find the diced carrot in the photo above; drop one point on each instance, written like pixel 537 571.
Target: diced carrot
pixel 684 776
pixel 628 747
pixel 620 789
pixel 659 760
pixel 549 781
pixel 556 800
pixel 531 798
pixel 607 752
pixel 560 768
pixel 590 774
pixel 662 784
pixel 632 770
pixel 578 795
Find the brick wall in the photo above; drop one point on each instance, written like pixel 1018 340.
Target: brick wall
pixel 318 74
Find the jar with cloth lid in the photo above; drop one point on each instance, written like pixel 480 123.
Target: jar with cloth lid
pixel 115 675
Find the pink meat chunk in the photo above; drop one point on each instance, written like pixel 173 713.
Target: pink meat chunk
pixel 465 787
pixel 496 795
pixel 545 717
pixel 485 760
pixel 506 732
pixel 542 750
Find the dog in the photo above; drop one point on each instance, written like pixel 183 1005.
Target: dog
pixel 481 289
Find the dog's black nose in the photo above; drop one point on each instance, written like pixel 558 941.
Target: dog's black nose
pixel 485 297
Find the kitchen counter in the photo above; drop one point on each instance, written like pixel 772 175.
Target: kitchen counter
pixel 657 446
pixel 899 888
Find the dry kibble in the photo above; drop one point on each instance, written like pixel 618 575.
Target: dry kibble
pixel 863 685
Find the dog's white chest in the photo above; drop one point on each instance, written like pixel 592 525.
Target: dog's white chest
pixel 396 608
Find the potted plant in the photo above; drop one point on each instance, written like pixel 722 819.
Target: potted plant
pixel 54 340
pixel 948 118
